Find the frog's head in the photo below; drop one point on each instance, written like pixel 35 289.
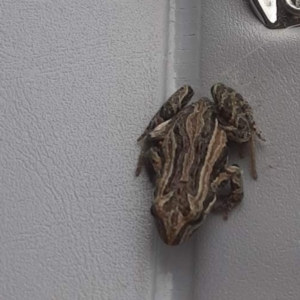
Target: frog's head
pixel 175 223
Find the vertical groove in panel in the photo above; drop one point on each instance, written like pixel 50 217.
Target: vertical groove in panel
pixel 173 276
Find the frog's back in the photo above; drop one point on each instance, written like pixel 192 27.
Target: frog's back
pixel 193 150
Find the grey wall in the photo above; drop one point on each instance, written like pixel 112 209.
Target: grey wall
pixel 78 79
pixel 78 84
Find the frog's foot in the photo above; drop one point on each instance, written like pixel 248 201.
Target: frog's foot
pixel 225 203
pixel 151 160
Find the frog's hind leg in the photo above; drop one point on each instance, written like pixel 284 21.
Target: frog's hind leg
pixel 225 203
pixel 170 108
pixel 235 116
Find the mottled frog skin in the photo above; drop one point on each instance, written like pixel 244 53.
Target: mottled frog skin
pixel 186 155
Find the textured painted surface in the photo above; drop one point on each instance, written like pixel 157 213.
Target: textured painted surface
pixel 255 254
pixel 78 81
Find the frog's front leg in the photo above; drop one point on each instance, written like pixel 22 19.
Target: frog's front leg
pixel 233 175
pixel 150 149
pixel 153 163
pixel 242 130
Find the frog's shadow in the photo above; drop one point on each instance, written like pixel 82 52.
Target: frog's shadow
pixel 239 154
